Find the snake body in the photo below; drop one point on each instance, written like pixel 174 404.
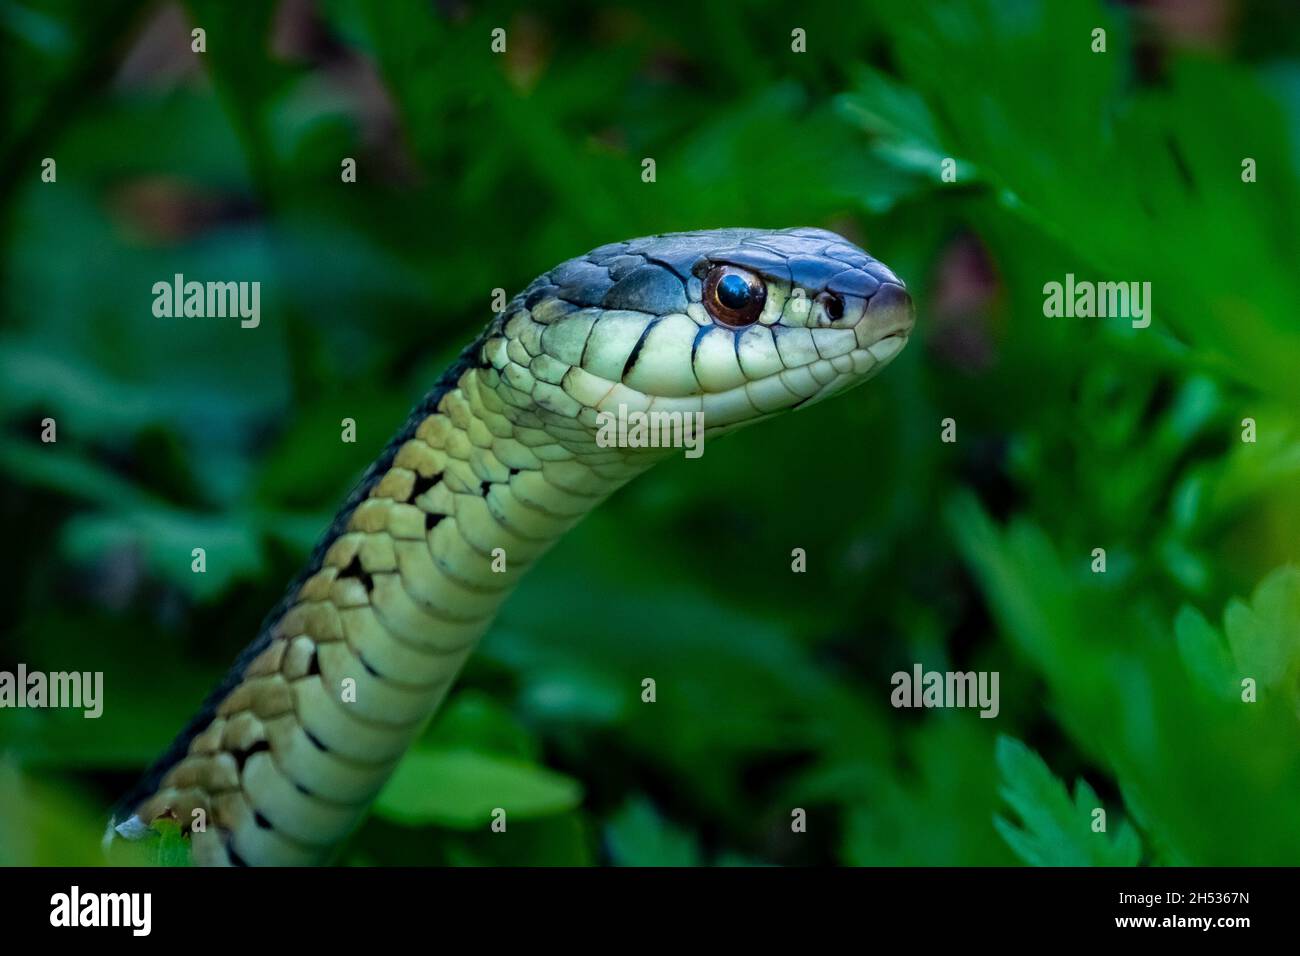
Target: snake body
pixel 491 469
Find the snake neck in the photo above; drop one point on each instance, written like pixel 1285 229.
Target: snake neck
pixel 315 717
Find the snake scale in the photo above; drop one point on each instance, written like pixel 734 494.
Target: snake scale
pixel 498 461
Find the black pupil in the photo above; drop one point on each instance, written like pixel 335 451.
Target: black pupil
pixel 734 292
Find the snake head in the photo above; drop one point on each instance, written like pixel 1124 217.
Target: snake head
pixel 737 324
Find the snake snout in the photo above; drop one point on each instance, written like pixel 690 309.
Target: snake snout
pixel 889 313
pixel 886 322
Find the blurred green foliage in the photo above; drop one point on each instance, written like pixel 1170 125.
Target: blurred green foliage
pixel 479 171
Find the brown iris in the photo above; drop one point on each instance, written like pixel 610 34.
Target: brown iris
pixel 733 296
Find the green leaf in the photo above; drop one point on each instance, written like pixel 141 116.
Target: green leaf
pixel 936 814
pixel 1170 182
pixel 473 720
pixel 167 538
pixel 461 788
pixel 1116 686
pixel 638 836
pixel 1265 635
pixel 1055 831
pixel 1203 651
pixel 901 119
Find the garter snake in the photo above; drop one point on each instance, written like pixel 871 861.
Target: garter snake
pixel 496 463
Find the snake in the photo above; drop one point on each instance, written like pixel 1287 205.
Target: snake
pixel 498 461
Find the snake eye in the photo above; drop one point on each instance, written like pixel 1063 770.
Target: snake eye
pixel 733 296
pixel 833 305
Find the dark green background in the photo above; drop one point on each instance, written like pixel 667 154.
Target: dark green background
pixel 476 171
